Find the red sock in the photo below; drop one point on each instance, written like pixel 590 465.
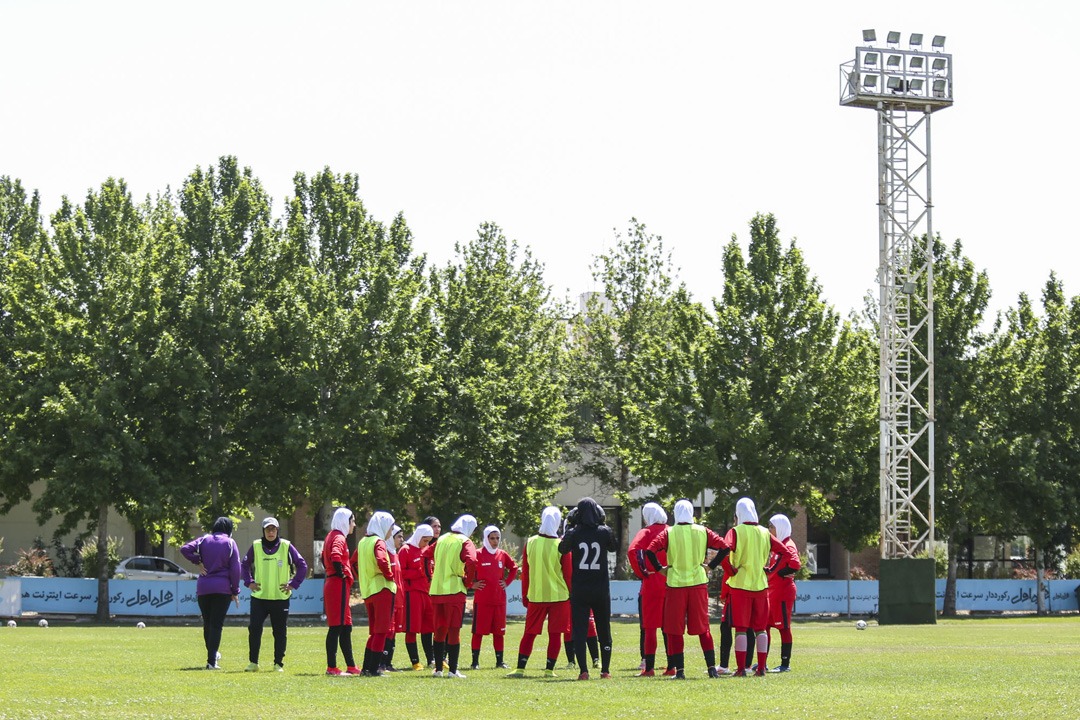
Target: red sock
pixel 762 657
pixel 740 659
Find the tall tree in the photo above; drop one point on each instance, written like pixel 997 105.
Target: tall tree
pixel 226 225
pixel 961 294
pixel 1026 449
pixel 497 415
pixel 359 320
pixel 81 305
pixel 787 427
pixel 616 383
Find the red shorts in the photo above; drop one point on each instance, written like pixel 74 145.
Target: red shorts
pixel 652 606
pixel 399 610
pixel 569 632
pixel 449 614
pixel 419 613
pixel 781 606
pixel 489 619
pixel 336 602
pixel 749 609
pixel 557 615
pixel 686 610
pixel 380 612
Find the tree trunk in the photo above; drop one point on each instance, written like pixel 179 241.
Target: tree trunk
pixel 949 607
pixel 622 568
pixel 103 563
pixel 1040 603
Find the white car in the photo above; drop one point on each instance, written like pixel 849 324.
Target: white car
pixel 146 567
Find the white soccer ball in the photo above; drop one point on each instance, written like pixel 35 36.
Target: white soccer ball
pixel 141 625
pixel 43 623
pixel 861 625
pixel 11 623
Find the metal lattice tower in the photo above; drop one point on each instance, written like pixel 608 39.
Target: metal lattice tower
pixel 904 87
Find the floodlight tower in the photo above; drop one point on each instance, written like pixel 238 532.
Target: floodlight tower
pixel 904 87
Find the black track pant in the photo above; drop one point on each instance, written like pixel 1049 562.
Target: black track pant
pixel 599 602
pixel 278 612
pixel 213 608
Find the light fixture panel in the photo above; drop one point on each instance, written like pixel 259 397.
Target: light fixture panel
pixel 869 36
pixel 893 37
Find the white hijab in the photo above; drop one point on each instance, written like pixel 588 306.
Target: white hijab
pixel 465 525
pixel 782 525
pixel 746 511
pixel 422 531
pixel 380 524
pixel 550 520
pixel 390 544
pixel 653 514
pixel 342 516
pixel 487 531
pixel 684 512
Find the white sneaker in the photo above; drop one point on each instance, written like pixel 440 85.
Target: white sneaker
pixel 437 673
pixel 723 671
pixel 456 675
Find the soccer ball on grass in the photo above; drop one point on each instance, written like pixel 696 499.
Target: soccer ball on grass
pixel 861 625
pixel 140 625
pixel 11 623
pixel 43 623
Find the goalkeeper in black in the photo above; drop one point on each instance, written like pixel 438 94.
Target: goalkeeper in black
pixel 590 541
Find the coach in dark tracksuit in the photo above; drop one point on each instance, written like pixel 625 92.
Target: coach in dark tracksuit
pixel 590 541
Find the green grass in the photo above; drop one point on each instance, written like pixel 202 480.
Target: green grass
pixel 967 668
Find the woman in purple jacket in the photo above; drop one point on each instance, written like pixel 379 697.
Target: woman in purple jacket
pixel 218 559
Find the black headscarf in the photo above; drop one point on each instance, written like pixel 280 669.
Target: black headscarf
pixel 223 526
pixel 589 513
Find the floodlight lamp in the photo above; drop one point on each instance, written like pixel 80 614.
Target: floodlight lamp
pixel 869 36
pixel 938 64
pixel 893 61
pixel 893 37
pixel 915 85
pixel 938 42
pixel 894 83
pixel 917 62
pixel 916 40
pixel 869 81
pixel 939 88
pixel 870 59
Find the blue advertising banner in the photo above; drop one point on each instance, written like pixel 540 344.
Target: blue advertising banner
pixel 173 598
pixel 75 596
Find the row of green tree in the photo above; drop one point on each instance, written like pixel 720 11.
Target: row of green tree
pixel 192 354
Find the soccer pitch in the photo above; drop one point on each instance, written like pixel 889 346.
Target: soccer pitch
pixel 965 668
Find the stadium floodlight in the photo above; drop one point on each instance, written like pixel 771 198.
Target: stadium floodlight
pixel 938 43
pixel 904 92
pixel 869 36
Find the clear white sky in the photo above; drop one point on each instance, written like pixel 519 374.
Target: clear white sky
pixel 562 120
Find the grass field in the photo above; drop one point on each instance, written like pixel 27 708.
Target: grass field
pixel 966 668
